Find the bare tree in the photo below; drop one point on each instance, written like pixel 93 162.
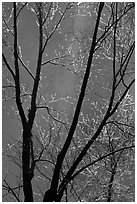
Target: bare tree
pixel 105 36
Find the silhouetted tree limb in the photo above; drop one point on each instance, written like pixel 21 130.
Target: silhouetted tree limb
pixel 97 160
pixel 8 66
pixel 10 189
pixel 65 169
pixel 61 156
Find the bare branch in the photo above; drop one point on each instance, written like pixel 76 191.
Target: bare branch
pixel 43 173
pixel 8 66
pixel 61 155
pixel 47 108
pixel 17 74
pixel 53 59
pixel 21 9
pixel 3 18
pixel 124 63
pixel 14 97
pixel 12 191
pixel 48 13
pixel 99 159
pixel 8 86
pixel 105 34
pixel 56 26
pixel 122 97
pixel 117 125
pixel 26 68
pixel 38 71
pixel 44 160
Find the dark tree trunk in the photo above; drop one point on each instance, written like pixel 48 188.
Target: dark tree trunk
pixel 26 167
pixel 49 196
pixel 110 187
pixel 59 197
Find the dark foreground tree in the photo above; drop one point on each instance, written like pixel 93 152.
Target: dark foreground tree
pixel 99 61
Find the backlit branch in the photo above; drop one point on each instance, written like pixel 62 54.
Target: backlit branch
pixel 21 9
pixel 21 61
pixel 99 159
pixel 56 26
pixel 8 66
pixel 53 59
pixel 51 4
pixel 3 18
pixel 122 97
pixel 47 108
pixel 11 190
pixel 105 34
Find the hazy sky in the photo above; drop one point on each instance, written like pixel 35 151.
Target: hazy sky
pixel 57 81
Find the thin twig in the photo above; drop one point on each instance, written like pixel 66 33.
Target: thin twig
pixel 12 191
pixel 7 25
pixel 21 9
pixel 47 108
pixel 8 86
pixel 47 13
pixel 26 68
pixel 8 66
